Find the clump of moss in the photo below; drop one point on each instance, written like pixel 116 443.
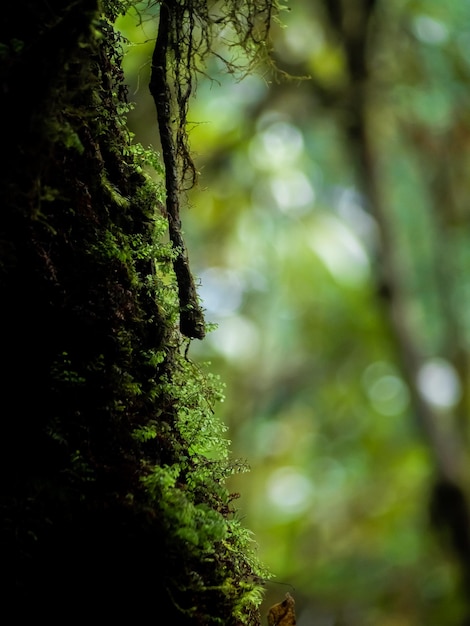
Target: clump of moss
pixel 115 464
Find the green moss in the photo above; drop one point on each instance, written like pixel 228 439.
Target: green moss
pixel 124 461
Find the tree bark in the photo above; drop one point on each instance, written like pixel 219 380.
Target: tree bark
pixel 106 508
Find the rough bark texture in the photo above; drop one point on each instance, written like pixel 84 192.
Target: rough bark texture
pixel 106 510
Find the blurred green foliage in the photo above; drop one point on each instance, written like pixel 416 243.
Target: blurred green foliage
pixel 288 253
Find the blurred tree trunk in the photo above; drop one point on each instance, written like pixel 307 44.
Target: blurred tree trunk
pixel 353 25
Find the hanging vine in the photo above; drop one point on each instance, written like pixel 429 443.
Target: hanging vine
pixel 186 33
pixel 191 315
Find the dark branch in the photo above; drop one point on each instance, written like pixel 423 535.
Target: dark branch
pixel 191 316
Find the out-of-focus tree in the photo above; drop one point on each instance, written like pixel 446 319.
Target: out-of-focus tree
pixel 330 233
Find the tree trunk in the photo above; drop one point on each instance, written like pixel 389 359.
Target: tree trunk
pixel 110 500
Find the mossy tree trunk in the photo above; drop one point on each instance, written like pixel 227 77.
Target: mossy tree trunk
pixel 113 465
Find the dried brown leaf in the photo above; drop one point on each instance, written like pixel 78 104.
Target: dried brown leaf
pixel 283 613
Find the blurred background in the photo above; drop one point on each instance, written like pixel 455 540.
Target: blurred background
pixel 330 236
